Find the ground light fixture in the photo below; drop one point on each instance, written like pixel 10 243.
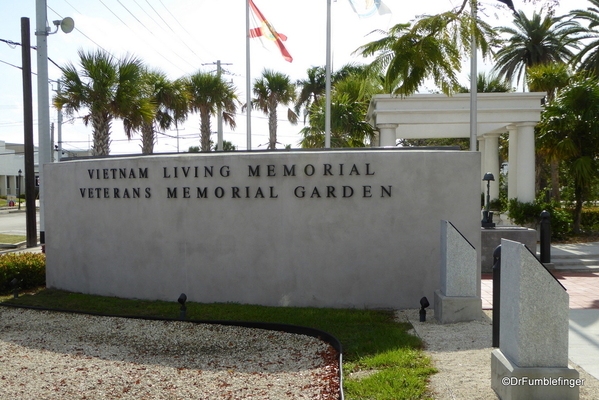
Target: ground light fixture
pixel 15 287
pixel 182 299
pixel 423 304
pixel 487 221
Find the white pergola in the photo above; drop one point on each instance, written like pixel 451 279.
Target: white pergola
pixel 428 116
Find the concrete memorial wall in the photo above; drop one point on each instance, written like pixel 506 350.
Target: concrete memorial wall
pixel 318 228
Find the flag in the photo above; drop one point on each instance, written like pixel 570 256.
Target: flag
pixel 266 30
pixel 509 4
pixel 367 8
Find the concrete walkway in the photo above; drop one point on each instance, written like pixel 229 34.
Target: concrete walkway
pixel 577 257
pixel 570 260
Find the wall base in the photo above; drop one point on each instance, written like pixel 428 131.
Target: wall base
pixel 451 309
pixel 511 382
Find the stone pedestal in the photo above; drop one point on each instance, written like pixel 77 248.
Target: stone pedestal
pixel 515 383
pixel 450 309
pixel 491 238
pixel 532 359
pixel 459 297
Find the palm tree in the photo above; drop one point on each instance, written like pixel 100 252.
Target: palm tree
pixel 488 83
pixel 311 89
pixel 207 93
pixel 171 106
pixel 349 104
pixel 549 78
pixel 408 56
pixel 539 40
pixel 570 129
pixel 348 125
pixel 588 58
pixel 108 89
pixel 270 90
pixel 430 47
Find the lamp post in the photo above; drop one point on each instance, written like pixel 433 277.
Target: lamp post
pixel 19 188
pixel 487 221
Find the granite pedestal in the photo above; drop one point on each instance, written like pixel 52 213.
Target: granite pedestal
pixel 491 238
pixel 532 359
pixel 458 298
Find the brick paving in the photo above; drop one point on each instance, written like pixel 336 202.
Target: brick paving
pixel 583 288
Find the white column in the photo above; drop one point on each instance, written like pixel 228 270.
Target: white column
pixel 387 134
pixel 492 162
pixel 481 148
pixel 526 162
pixel 512 175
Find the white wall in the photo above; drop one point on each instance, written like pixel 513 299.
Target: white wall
pixel 368 250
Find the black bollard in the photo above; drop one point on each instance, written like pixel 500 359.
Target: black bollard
pixel 182 299
pixel 545 237
pixel 423 304
pixel 496 293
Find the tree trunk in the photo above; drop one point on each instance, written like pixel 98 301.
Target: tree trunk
pixel 577 210
pixel 204 129
pixel 555 180
pixel 272 127
pixel 147 139
pixel 101 130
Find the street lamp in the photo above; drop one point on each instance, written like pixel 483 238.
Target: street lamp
pixel 19 188
pixel 487 221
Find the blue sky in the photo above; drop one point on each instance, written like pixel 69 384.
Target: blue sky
pixel 179 36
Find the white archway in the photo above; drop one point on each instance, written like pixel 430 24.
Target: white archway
pixel 428 116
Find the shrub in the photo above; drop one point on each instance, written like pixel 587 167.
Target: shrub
pixel 28 268
pixel 530 214
pixel 589 219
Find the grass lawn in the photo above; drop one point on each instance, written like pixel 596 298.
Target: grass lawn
pixel 12 239
pixel 393 363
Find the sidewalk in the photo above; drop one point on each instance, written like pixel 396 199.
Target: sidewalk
pixel 583 289
pixel 36 249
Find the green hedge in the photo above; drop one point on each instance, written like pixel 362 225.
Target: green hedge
pixel 28 268
pixel 530 213
pixel 589 219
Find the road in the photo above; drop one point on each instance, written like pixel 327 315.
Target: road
pixel 15 223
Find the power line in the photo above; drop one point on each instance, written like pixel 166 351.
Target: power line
pixel 14 44
pixel 142 37
pixel 176 34
pixel 148 14
pixel 151 32
pixel 72 6
pixel 133 15
pixel 16 66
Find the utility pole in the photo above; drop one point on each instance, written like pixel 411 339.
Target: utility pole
pixel 59 127
pixel 28 132
pixel 219 121
pixel 43 101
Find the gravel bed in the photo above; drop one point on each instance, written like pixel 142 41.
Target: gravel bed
pixel 461 352
pixel 52 355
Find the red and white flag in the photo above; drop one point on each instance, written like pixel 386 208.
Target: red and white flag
pixel 265 29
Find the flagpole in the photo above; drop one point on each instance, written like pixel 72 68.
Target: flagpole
pixel 327 113
pixel 473 85
pixel 248 77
